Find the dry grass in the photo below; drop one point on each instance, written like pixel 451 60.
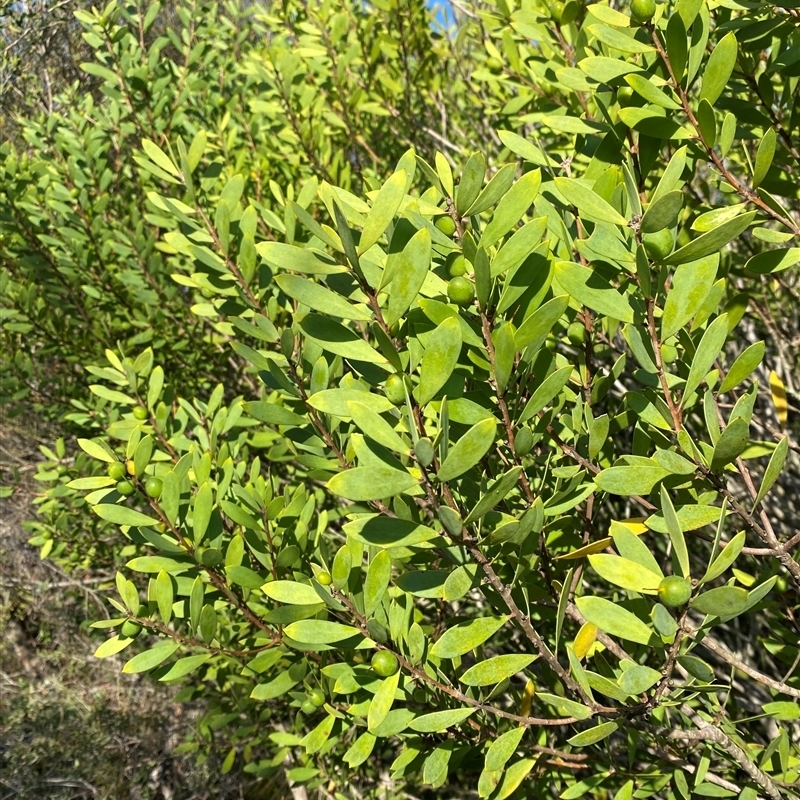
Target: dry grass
pixel 72 726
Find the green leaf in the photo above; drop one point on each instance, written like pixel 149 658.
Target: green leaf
pixel 725 559
pixel 651 93
pixel 631 546
pixel 773 470
pixel 142 662
pixel 743 367
pixel 504 352
pixel 201 516
pixel 371 483
pixel 515 202
pixel 535 328
pixel 320 631
pixel 291 592
pixel 122 515
pixel 494 494
pixel 589 204
pixel 618 39
pixel 766 152
pixel 495 189
pixel 719 68
pixel 359 751
pixel 707 123
pixel 382 531
pixel 320 298
pixel 468 450
pixel 382 701
pixel 567 708
pixel 502 748
pixel 298 259
pixel 336 401
pixel 604 69
pixel 160 158
pixel 376 427
pixel 440 359
pixel 589 288
pixel 112 646
pixel 707 351
pixel 408 275
pixel 711 242
pixel 724 601
pixel 157 564
pixel 272 413
pixel 626 481
pixel 377 580
pixel 439 721
pixel 613 619
pixel 783 710
pixel 315 740
pixel 513 777
pixel 466 636
pixel 549 388
pixel 165 596
pixel 244 576
pixel 638 679
pixel 494 670
pixel 774 260
pixel 730 444
pixel 102 452
pixel 518 246
pixel 99 482
pixel 663 212
pixel 627 574
pixel 593 735
pixel 184 666
pixel 675 532
pixel 471 182
pixel 337 339
pixel 383 210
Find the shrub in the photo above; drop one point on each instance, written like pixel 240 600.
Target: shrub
pixel 528 539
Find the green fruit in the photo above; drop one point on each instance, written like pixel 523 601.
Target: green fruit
pixel 307 707
pixel 395 391
pixel 423 451
pixel 658 245
pixel 153 487
pixel 576 333
pixel 116 471
pixel 324 578
pixel 140 413
pixel 126 488
pixel 420 696
pixel 781 585
pixel 625 96
pixel 674 591
pixel 130 629
pixel 446 225
pixel 384 663
pixel 457 266
pixel 494 64
pixel 523 442
pixel 557 11
pixel 643 10
pixel 669 353
pixel 316 698
pixel 461 291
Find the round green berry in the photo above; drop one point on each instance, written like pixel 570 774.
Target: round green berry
pixel 523 442
pixel 557 11
pixel 116 471
pixel 395 391
pixel 781 585
pixel 324 578
pixel 494 64
pixel 446 225
pixel 461 291
pixel 126 488
pixel 317 698
pixel 307 707
pixel 456 266
pixel 625 96
pixel 140 413
pixel 576 333
pixel 674 591
pixel 643 10
pixel 130 629
pixel 658 245
pixel 153 487
pixel 384 663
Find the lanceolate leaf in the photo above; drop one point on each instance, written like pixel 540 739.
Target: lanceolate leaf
pixel 408 275
pixel 371 483
pixel 385 207
pixel 707 352
pixel 614 619
pixel 711 242
pixel 440 359
pixel 719 68
pixel 466 636
pixel 494 670
pixel 588 203
pixel 592 290
pixel 468 450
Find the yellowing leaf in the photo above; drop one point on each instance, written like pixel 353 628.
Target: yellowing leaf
pixel 778 392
